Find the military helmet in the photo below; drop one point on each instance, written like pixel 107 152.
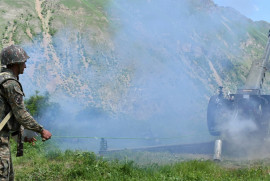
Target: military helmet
pixel 13 54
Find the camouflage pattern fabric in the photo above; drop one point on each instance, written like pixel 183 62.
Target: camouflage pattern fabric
pixel 13 54
pixel 11 99
pixel 6 167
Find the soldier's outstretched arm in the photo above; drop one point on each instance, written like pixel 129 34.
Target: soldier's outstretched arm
pixel 14 96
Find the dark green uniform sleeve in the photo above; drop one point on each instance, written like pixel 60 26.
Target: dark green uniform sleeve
pixel 14 96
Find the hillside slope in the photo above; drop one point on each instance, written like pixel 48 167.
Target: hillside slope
pixel 145 64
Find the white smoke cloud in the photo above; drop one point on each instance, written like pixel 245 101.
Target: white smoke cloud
pixel 152 83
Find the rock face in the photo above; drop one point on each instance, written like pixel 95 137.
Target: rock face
pixel 148 61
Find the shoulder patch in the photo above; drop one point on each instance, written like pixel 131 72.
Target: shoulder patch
pixel 18 90
pixel 18 99
pixel 18 95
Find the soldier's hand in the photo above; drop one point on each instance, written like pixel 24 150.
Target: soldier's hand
pixel 30 140
pixel 45 134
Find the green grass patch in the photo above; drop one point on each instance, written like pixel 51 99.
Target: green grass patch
pixel 53 164
pixel 92 13
pixel 71 3
pixel 19 4
pixel 258 35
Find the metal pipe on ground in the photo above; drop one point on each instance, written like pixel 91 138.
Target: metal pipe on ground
pixel 217 150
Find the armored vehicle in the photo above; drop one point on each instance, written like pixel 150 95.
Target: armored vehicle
pixel 245 113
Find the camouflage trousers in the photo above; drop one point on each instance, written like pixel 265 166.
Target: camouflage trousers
pixel 6 167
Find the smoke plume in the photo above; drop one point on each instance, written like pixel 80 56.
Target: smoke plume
pixel 146 75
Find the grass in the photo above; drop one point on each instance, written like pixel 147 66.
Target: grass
pixel 52 31
pixel 92 13
pixel 259 35
pixel 53 164
pixel 75 4
pixel 18 4
pixel 88 4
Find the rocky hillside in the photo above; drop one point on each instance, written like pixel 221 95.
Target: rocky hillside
pixel 151 63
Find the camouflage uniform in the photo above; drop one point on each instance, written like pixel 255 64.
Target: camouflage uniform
pixel 11 99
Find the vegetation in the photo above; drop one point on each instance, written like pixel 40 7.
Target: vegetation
pixel 53 164
pixel 52 31
pixel 42 109
pixel 45 161
pixel 37 103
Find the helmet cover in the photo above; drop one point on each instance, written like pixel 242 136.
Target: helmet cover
pixel 13 54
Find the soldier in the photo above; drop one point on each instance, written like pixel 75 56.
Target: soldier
pixel 11 100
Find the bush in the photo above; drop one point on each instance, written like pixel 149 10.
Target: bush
pixel 52 31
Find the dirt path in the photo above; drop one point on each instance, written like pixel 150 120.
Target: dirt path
pixel 28 32
pixel 47 38
pixel 217 77
pixel 81 51
pixel 55 76
pixel 50 53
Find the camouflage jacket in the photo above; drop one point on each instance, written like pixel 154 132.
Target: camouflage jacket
pixel 11 99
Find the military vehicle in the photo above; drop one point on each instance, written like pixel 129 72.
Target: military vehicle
pixel 245 113
pixel 239 121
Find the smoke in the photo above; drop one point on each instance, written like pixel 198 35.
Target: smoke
pixel 146 76
pixel 243 124
pixel 238 127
